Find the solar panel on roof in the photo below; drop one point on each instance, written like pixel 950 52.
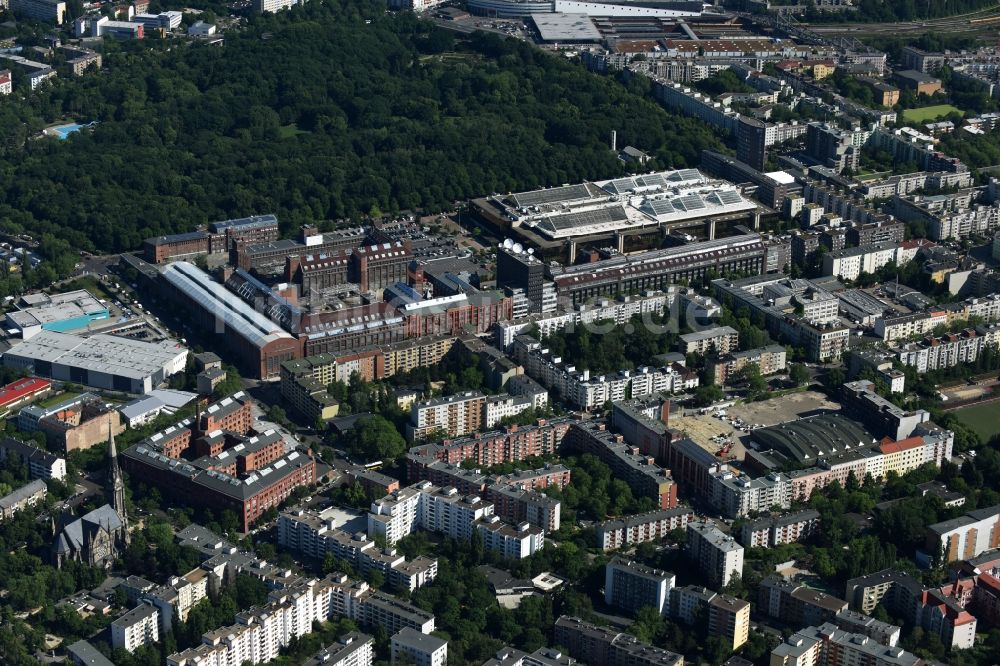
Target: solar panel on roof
pixel 730 197
pixel 691 202
pixel 660 206
pixel 652 180
pixel 552 195
pixel 584 218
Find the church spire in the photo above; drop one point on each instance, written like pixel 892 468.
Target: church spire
pixel 116 481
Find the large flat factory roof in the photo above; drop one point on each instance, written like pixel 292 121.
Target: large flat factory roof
pixel 559 27
pixel 666 197
pixel 810 439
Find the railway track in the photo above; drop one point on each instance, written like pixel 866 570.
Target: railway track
pixel 976 21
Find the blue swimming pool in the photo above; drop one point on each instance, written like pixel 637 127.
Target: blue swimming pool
pixel 63 131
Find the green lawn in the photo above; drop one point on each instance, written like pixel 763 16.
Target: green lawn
pixel 981 418
pixel 929 113
pixel 57 398
pixel 288 131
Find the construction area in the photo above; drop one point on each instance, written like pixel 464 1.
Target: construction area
pixel 724 432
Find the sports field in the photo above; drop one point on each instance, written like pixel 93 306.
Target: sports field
pixel 984 418
pixel 929 113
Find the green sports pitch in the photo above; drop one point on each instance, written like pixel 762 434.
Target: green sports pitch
pixel 982 418
pixel 929 113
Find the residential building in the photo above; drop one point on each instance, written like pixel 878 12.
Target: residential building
pixel 215 461
pixel 453 416
pixel 41 464
pixel 769 360
pixel 640 472
pixel 859 623
pixel 308 397
pixel 22 498
pixel 52 11
pixel 512 443
pixel 903 596
pixel 512 542
pixel 950 349
pixel 631 586
pixel 729 618
pixel 413 647
pixel 831 646
pixel 600 646
pixel 136 628
pixel 720 340
pixel 718 555
pixel 778 530
pixel 351 649
pixel 797 605
pixel 314 534
pixel 850 263
pixel 966 536
pixel 640 528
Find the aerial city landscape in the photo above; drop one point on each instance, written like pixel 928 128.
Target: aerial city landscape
pixel 500 332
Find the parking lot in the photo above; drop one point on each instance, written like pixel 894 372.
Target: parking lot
pixel 784 409
pixel 712 431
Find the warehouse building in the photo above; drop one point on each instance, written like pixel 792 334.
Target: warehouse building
pixel 259 344
pixel 101 361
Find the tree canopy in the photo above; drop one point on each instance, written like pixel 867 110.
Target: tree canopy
pixel 330 110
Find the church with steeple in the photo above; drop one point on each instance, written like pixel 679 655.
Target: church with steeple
pixel 101 536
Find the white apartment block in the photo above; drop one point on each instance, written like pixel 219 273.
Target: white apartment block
pixel 739 496
pixel 352 649
pixel 901 327
pixel 614 534
pixel 314 534
pixel 985 307
pixel 716 554
pixel 720 340
pixel 398 514
pixel 850 263
pixel 618 311
pixel 456 415
pixel 512 542
pixel 178 596
pixel 585 391
pixel 768 532
pixel 412 647
pixel 424 505
pixel 272 6
pixel 631 586
pixel 499 407
pixel 140 626
pixel 950 349
pixel 260 633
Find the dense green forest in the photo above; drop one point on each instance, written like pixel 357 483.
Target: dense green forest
pixel 334 109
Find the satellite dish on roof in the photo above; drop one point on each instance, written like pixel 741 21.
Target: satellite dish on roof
pixel 518 248
pixel 508 243
pixel 531 250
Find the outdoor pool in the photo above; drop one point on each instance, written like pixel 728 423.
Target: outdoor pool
pixel 63 131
